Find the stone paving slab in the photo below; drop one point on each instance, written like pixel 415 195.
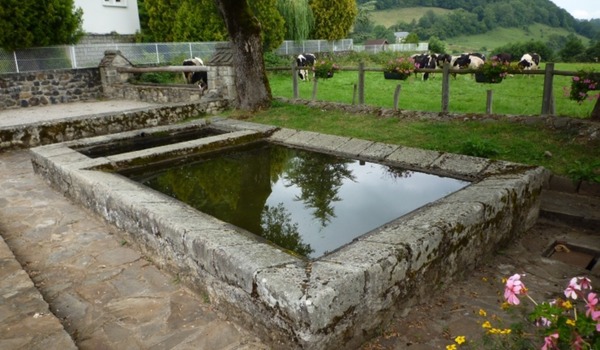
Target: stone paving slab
pixel 105 293
pixel 25 319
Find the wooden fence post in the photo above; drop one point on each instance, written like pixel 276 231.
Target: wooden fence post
pixel 397 96
pixel 489 101
pixel 548 97
pixel 354 95
pixel 361 83
pixel 315 85
pixel 294 81
pixel 445 87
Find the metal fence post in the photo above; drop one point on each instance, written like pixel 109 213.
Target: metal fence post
pixel 547 99
pixel 157 56
pixel 73 56
pixel 16 61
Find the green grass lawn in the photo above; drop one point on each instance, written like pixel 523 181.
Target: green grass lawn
pixel 557 150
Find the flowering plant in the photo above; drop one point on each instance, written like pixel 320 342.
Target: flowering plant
pixel 494 70
pixel 324 69
pixel 582 83
pixel 404 65
pixel 563 325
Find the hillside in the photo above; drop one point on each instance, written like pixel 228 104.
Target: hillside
pixel 392 16
pixel 450 18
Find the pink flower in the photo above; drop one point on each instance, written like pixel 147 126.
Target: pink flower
pixel 576 285
pixel 550 342
pixel 591 303
pixel 576 78
pixel 514 287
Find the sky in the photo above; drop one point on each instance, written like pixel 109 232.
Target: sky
pixel 580 9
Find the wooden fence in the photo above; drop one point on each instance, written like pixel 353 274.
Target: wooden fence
pixel 359 89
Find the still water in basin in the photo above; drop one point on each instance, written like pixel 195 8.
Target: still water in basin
pixel 307 202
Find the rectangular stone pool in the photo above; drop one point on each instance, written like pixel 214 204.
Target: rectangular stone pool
pixel 335 300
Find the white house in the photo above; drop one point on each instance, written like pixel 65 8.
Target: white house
pixel 110 16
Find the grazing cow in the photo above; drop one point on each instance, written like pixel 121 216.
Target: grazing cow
pixel 469 60
pixel 530 61
pixel 425 61
pixel 200 78
pixel 304 61
pixel 503 58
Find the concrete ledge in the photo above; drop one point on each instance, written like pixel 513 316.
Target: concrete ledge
pixel 341 298
pixel 68 129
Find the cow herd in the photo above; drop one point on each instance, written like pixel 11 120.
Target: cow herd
pixel 472 61
pixel 305 62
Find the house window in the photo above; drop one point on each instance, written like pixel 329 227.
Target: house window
pixel 115 3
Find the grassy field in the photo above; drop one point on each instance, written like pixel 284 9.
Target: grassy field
pixel 390 17
pixel 520 95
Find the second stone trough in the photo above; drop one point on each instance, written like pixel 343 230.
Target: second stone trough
pixel 334 301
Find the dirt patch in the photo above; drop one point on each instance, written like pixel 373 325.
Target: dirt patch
pixel 454 310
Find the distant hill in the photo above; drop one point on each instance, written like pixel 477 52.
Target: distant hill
pixel 451 18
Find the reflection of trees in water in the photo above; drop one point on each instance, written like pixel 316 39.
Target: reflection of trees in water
pixel 398 173
pixel 277 227
pixel 319 177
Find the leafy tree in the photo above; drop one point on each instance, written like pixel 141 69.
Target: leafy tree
pixel 573 51
pixel 198 20
pixel 592 54
pixel 298 17
pixel 271 22
pixel 30 23
pixel 161 17
pixel 412 38
pixel 333 18
pixel 436 45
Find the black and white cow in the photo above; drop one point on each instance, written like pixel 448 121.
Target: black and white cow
pixel 425 61
pixel 503 58
pixel 530 61
pixel 469 60
pixel 304 61
pixel 199 78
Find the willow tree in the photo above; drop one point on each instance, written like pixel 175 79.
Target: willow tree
pixel 333 18
pixel 252 85
pixel 298 17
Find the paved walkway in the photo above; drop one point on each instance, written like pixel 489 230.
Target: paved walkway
pixel 105 294
pixel 69 280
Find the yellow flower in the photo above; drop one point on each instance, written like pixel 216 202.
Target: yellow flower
pixel 505 305
pixel 567 305
pixel 504 279
pixel 486 324
pixel 451 347
pixel 506 331
pixel 482 312
pixel 571 322
pixel 460 339
pixel 484 279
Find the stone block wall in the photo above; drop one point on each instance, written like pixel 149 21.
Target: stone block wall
pixel 49 87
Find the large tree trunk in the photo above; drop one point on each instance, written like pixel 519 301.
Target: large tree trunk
pixel 252 85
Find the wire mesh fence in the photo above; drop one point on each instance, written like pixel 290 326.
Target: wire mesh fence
pixel 89 55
